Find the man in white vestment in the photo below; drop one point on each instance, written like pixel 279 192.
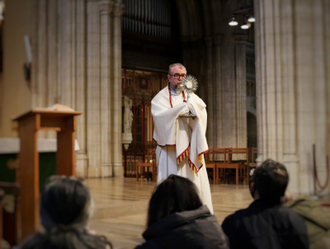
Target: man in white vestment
pixel 181 141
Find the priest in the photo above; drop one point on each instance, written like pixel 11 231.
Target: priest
pixel 181 141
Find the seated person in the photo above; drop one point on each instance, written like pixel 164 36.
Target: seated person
pixel 316 219
pixel 178 219
pixel 65 208
pixel 266 223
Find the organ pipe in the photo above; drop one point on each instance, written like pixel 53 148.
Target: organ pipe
pixel 150 17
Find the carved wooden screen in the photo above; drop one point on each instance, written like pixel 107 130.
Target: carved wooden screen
pixel 140 87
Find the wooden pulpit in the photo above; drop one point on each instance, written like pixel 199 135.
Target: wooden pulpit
pixel 64 122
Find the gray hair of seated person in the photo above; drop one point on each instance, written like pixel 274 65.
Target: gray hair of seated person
pixel 175 194
pixel 175 65
pixel 65 208
pixel 270 179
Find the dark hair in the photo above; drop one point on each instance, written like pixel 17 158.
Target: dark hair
pixel 271 179
pixel 65 207
pixel 175 194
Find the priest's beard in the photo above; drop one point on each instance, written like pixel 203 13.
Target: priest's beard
pixel 179 88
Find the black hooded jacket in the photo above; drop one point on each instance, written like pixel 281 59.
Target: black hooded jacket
pixel 265 224
pixel 189 229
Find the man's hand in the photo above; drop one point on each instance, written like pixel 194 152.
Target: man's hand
pixel 185 110
pixel 191 106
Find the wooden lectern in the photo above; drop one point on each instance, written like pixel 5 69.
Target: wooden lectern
pixel 64 122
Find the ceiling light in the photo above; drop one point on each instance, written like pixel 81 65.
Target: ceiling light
pixel 233 22
pixel 251 19
pixel 246 25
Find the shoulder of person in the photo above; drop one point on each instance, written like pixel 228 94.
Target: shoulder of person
pixel 149 244
pixel 228 221
pixel 302 202
pixel 197 100
pixel 161 94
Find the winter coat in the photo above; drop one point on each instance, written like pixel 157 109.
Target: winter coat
pixel 189 229
pixel 316 219
pixel 265 224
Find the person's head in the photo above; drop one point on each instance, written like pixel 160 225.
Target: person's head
pixel 66 202
pixel 269 180
pixel 65 208
pixel 176 73
pixel 175 194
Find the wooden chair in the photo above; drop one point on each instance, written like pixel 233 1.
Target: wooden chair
pixel 210 163
pixel 150 162
pixel 11 217
pixel 213 158
pixel 240 166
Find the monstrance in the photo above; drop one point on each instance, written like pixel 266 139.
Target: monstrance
pixel 189 85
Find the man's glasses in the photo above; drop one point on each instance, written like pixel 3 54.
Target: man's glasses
pixel 178 76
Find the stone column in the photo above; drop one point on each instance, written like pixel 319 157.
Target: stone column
pixel 65 53
pixel 34 47
pixel 93 114
pixel 116 93
pixel 292 86
pixel 51 57
pixel 240 130
pixel 312 83
pixel 106 115
pixel 73 56
pixel 39 64
pixel 210 93
pixel 38 87
pixel 289 150
pixel 259 51
pixel 218 118
pixel 82 162
pixel 229 92
pixel 52 61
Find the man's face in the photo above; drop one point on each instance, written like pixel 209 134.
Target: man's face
pixel 176 75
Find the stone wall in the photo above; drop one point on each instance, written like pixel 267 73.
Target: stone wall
pixel 77 49
pixel 293 87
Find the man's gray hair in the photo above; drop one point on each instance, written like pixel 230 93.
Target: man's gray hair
pixel 176 65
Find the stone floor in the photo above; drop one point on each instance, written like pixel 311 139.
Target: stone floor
pixel 121 207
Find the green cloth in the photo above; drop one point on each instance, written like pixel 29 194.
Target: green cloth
pixel 316 219
pixel 6 175
pixel 47 167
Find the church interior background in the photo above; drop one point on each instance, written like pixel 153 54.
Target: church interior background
pixel 266 86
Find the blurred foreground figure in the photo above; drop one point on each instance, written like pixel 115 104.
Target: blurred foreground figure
pixel 65 208
pixel 266 223
pixel 178 219
pixel 316 219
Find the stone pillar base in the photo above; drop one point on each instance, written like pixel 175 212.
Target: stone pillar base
pixel 118 170
pixel 81 165
pixel 106 170
pixel 292 166
pixel 93 172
